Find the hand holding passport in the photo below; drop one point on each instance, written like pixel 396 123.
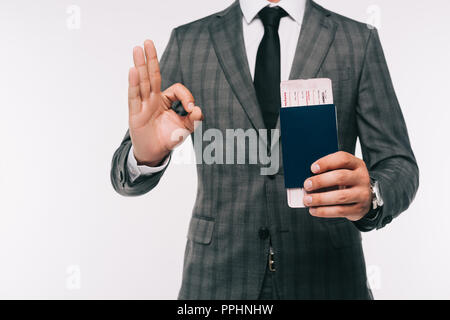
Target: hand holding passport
pixel 308 131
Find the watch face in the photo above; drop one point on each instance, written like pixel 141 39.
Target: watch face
pixel 376 191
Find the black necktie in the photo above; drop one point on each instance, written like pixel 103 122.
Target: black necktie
pixel 267 69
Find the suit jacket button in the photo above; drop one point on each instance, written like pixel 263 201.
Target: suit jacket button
pixel 263 233
pixel 271 177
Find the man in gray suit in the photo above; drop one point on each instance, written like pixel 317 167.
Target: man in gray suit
pixel 244 241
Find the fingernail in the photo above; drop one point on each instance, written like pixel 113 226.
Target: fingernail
pixel 307 200
pixel 315 168
pixel 308 184
pixel 190 106
pixel 312 210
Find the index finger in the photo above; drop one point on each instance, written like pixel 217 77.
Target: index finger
pixel 335 161
pixel 178 92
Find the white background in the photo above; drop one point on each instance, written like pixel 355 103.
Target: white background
pixel 63 112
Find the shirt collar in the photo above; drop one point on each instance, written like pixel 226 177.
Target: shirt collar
pixel 295 8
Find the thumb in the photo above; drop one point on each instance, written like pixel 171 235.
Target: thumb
pixel 178 92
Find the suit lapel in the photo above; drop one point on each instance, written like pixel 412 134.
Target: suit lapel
pixel 228 41
pixel 316 36
pixel 315 40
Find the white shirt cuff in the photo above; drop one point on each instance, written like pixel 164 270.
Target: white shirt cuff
pixel 135 170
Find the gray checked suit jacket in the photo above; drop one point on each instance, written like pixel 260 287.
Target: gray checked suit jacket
pixel 225 255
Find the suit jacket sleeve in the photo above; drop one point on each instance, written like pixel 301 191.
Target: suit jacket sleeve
pixel 120 178
pixel 384 138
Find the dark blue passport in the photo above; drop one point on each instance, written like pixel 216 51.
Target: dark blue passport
pixel 307 134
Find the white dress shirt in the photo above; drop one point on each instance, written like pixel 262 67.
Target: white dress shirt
pixel 253 32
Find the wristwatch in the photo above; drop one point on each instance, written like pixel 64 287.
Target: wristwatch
pixel 377 201
pixel 369 221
